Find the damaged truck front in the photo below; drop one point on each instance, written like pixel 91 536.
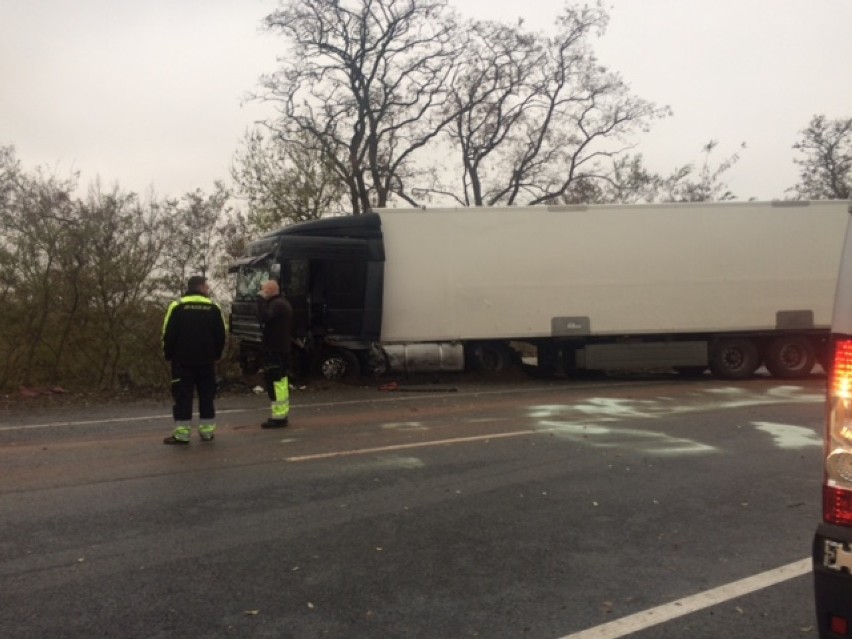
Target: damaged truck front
pixel 331 271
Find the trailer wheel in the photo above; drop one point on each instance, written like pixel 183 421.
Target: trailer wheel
pixel 734 358
pixel 339 364
pixel 790 357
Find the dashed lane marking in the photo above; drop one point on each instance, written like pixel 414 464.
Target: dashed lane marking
pixel 434 442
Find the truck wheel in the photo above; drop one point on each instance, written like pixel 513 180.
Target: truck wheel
pixel 790 356
pixel 339 364
pixel 491 357
pixel 734 358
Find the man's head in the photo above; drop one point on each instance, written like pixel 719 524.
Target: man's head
pixel 198 284
pixel 269 289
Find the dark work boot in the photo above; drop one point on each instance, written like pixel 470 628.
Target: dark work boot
pixel 274 423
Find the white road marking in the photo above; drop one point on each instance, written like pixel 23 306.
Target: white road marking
pixel 116 420
pixel 377 400
pixel 435 442
pixel 655 616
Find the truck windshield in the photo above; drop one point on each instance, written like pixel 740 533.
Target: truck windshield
pixel 249 279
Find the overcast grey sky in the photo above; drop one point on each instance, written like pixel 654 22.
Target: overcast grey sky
pixel 150 94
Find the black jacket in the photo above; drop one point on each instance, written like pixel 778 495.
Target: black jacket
pixel 276 317
pixel 193 331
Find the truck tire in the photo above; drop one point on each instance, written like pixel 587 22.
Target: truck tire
pixel 491 358
pixel 790 357
pixel 338 364
pixel 734 358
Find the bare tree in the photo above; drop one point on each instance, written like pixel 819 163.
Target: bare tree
pixel 537 114
pixel 366 82
pixel 490 96
pixel 826 162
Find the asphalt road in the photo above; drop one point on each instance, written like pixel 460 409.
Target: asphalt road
pixel 634 507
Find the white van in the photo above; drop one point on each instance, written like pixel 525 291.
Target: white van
pixel 832 548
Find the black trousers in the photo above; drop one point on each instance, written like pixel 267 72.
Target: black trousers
pixel 186 380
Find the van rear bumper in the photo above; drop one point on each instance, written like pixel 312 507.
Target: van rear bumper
pixel 832 567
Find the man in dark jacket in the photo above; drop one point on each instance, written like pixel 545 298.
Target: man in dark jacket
pixel 276 317
pixel 193 341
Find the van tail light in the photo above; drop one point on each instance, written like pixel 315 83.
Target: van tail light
pixel 837 489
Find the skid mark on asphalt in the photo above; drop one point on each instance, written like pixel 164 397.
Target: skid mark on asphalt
pixel 667 612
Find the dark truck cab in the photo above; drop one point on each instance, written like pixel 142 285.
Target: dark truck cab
pixel 331 271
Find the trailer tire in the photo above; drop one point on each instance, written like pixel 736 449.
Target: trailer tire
pixel 790 357
pixel 734 358
pixel 337 364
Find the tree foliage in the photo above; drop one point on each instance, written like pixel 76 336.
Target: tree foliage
pixel 285 182
pixel 630 181
pixel 84 281
pixel 825 161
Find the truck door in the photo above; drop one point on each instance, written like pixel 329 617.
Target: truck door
pixel 294 284
pixel 343 286
pixel 327 281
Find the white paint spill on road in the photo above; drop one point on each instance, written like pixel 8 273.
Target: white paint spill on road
pixel 644 441
pixel 788 436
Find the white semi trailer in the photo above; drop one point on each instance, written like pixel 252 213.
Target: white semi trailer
pixel 726 285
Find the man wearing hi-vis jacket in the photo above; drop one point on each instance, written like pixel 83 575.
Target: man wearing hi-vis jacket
pixel 193 341
pixel 276 317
